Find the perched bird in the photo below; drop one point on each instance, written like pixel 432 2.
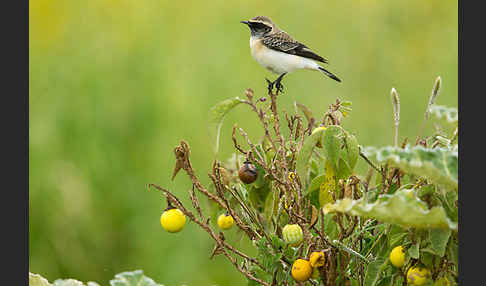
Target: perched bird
pixel 278 52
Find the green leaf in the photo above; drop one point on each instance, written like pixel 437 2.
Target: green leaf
pixel 401 208
pixel 307 112
pixel 438 240
pixel 316 183
pixel 427 259
pixel 216 116
pixel 440 165
pixel 452 252
pixel 135 278
pixel 271 206
pixel 414 250
pixel 303 157
pixel 328 186
pixel 352 149
pixel 396 239
pixel 37 280
pixel 385 281
pixel 330 226
pixel 374 270
pixel 332 144
pixel 444 112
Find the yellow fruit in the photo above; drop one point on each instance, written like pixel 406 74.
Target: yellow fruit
pixel 292 234
pixel 317 259
pixel 173 220
pixel 417 276
pixel 397 256
pixel 225 221
pixel 301 270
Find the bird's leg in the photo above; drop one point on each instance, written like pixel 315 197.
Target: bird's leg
pixel 270 85
pixel 278 84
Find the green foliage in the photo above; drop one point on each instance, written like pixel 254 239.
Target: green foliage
pixel 401 208
pixel 438 239
pixel 440 165
pixel 37 280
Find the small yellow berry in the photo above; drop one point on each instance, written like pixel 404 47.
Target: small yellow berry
pixel 292 234
pixel 301 270
pixel 397 256
pixel 225 221
pixel 173 220
pixel 417 276
pixel 317 259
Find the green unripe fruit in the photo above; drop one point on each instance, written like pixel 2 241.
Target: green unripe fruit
pixel 292 234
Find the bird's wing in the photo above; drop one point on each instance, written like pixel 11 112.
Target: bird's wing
pixel 282 42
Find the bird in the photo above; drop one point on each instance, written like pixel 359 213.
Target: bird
pixel 279 53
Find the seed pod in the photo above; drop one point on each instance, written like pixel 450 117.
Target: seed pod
pixel 248 173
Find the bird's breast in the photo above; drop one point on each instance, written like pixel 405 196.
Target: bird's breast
pixel 276 61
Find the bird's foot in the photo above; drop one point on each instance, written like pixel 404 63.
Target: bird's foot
pixel 270 85
pixel 278 83
pixel 279 86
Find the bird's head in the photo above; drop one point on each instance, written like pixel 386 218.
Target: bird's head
pixel 260 26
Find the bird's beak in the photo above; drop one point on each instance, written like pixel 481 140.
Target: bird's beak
pixel 245 22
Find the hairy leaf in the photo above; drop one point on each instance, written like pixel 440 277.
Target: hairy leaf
pixel 37 280
pixel 444 112
pixel 216 116
pixel 67 282
pixel 439 164
pixel 401 208
pixel 135 278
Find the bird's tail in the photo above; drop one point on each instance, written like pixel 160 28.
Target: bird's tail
pixel 329 74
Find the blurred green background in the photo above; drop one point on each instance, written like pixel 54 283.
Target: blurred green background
pixel 116 84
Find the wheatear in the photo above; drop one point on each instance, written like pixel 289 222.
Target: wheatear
pixel 278 52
